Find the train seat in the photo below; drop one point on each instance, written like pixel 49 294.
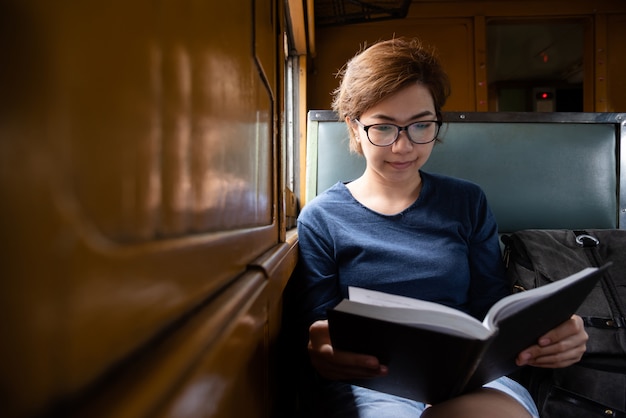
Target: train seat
pixel 548 171
pixel 538 170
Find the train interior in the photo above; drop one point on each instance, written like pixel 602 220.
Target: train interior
pixel 154 156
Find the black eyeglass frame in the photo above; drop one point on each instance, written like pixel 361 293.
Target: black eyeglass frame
pixel 366 128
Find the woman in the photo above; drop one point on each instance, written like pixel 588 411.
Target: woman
pixel 402 230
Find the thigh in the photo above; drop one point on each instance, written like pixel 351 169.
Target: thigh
pixel 501 398
pixel 482 403
pixel 341 400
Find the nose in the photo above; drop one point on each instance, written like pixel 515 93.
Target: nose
pixel 403 143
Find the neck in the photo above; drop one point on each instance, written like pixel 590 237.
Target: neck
pixel 385 197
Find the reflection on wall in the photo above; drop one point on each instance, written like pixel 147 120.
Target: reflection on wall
pixel 179 140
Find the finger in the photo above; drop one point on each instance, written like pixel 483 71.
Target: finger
pixel 337 364
pixel 344 359
pixel 319 341
pixel 559 354
pixel 571 327
pixel 558 360
pixel 319 334
pixel 562 346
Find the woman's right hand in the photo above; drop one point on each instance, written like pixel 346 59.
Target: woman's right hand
pixel 336 364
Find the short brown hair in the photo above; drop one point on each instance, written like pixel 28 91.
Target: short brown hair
pixel 383 69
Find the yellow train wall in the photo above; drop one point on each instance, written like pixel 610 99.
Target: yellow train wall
pixel 143 250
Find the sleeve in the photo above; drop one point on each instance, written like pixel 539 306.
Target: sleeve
pixel 488 280
pixel 316 281
pixel 310 291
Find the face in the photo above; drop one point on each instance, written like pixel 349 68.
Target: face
pixel 399 162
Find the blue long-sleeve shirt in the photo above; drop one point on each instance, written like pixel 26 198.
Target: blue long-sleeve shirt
pixel 443 248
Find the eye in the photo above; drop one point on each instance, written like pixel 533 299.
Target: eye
pixel 382 128
pixel 420 126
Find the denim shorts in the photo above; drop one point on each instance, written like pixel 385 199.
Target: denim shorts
pixel 347 401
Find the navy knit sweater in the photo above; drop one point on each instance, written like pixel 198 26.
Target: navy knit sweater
pixel 443 248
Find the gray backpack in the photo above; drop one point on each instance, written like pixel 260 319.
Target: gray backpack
pixel 596 386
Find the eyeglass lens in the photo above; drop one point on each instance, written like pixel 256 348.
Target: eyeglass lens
pixel 386 134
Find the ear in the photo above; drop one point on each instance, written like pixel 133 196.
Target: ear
pixel 353 125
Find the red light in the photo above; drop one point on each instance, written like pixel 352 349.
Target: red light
pixel 544 95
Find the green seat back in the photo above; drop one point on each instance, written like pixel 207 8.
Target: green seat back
pixel 537 170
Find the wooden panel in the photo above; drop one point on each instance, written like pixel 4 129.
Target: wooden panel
pixel 137 179
pixel 616 63
pixel 600 82
pixel 164 126
pixel 453 39
pixel 458 50
pixel 218 355
pixel 518 8
pixel 266 40
pixel 232 379
pixel 195 370
pixel 480 64
pixel 237 377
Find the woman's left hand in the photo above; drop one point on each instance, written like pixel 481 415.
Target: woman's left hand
pixel 560 347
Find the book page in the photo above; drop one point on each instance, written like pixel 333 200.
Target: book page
pixel 516 302
pixel 373 297
pixel 417 312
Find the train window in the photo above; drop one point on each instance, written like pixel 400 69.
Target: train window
pixel 291 135
pixel 526 58
pixel 298 46
pixel 291 121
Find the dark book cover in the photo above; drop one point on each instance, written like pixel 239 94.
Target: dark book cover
pixel 420 361
pixel 429 364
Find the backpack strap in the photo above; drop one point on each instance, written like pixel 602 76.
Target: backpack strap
pixel 591 244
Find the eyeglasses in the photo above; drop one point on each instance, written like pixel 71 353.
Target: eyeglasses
pixel 385 134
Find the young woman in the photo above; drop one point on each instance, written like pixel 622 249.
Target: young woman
pixel 405 231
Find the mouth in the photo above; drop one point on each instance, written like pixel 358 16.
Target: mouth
pixel 401 165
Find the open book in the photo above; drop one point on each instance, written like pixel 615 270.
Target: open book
pixel 434 352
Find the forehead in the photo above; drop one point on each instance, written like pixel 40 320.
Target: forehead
pixel 404 104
